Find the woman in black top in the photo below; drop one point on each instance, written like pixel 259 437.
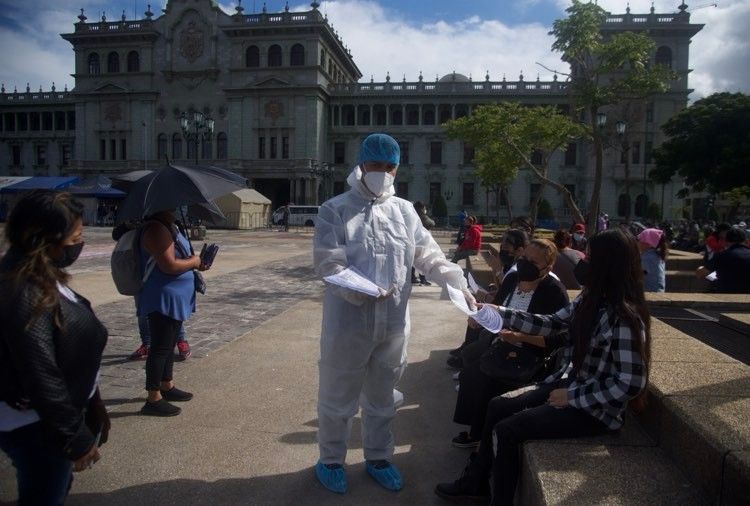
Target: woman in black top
pixel 536 291
pixel 51 343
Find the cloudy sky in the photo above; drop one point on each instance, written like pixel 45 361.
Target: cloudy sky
pixel 398 36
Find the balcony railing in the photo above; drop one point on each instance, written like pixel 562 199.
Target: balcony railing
pixel 451 87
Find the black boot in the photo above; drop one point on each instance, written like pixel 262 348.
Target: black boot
pixel 473 485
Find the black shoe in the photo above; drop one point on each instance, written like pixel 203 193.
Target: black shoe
pixel 463 440
pixel 469 487
pixel 160 408
pixel 174 394
pixel 426 283
pixel 455 362
pixel 456 352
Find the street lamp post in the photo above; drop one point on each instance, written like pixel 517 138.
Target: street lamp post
pixel 198 124
pixel 324 171
pixel 621 128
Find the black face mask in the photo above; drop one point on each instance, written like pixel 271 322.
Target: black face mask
pixel 70 255
pixel 527 271
pixel 506 258
pixel 582 271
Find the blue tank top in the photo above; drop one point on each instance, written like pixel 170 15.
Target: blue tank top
pixel 170 295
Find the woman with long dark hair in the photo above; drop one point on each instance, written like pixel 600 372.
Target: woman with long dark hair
pixel 606 364
pixel 51 343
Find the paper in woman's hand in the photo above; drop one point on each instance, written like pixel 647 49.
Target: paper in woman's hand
pixel 486 317
pixel 474 287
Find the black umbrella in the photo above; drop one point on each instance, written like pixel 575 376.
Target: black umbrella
pixel 173 186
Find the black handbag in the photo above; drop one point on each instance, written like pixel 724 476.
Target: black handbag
pixel 511 364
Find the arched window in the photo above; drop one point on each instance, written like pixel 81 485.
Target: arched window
pixel 664 56
pixel 192 146
pixel 623 205
pixel 113 62
pixel 134 61
pixel 176 147
pixel 252 56
pixel 297 55
pixel 221 146
pixel 274 56
pixel 641 203
pixel 161 147
pixel 322 57
pixel 94 64
pixel 207 151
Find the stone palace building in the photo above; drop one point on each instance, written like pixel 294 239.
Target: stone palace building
pixel 289 111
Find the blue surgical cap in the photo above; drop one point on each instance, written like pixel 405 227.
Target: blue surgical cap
pixel 379 148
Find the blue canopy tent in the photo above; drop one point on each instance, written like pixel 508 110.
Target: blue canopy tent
pixel 12 193
pixel 100 200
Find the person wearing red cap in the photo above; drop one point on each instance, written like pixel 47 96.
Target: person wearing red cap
pixel 653 245
pixel 578 233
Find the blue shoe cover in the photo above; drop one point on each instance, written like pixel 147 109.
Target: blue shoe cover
pixel 332 479
pixel 385 474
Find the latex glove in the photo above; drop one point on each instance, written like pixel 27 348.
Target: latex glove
pixel 470 300
pixel 385 294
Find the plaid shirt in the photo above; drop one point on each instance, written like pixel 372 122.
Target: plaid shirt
pixel 612 371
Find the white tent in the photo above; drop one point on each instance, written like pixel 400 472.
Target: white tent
pixel 245 209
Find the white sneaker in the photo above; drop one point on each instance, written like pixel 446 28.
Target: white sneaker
pixel 455 375
pixel 398 398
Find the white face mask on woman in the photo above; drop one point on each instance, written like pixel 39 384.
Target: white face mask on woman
pixel 378 182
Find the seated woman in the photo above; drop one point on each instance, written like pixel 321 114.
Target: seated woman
pixel 567 259
pixel 472 241
pixel 654 250
pixel 530 288
pixel 511 248
pixel 607 329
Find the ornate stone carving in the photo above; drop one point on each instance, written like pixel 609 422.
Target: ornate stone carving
pixel 113 112
pixel 191 42
pixel 274 109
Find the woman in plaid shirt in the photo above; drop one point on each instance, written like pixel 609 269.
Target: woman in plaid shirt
pixel 608 333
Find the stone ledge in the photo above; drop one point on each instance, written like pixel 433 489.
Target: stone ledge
pixel 737 321
pixel 558 473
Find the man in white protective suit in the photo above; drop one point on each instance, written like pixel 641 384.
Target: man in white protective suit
pixel 364 338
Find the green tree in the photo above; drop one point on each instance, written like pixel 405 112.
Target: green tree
pixel 708 145
pixel 736 197
pixel 604 71
pixel 504 137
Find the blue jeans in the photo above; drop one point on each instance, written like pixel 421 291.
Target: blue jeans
pixel 43 476
pixel 145 332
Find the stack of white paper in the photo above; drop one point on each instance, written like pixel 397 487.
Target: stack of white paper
pixel 352 279
pixel 486 317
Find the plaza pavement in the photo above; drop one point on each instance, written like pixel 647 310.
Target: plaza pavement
pixel 248 437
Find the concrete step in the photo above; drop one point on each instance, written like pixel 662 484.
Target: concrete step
pixel 582 472
pixel 685 282
pixel 737 321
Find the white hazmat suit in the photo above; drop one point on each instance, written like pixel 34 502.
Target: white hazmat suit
pixel 363 340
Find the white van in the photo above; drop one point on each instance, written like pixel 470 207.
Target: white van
pixel 298 215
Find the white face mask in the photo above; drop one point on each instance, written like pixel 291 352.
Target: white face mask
pixel 577 237
pixel 378 182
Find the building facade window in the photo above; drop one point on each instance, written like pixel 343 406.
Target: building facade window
pixel 650 112
pixel 297 55
pixel 397 115
pixel 468 195
pixel 435 192
pixel 15 154
pixel 252 57
pixel 436 152
pixel 404 148
pixel 35 121
pixel 272 148
pixel 261 147
pixel 113 63
pixel 624 154
pixel 222 151
pixel 41 154
pixel 285 147
pixel 428 115
pixel 402 189
pixel 66 154
pixel 176 147
pixel 570 155
pixel 71 120
pixel 636 152
pixel 113 149
pixel 468 154
pixel 134 61
pixel 47 121
pixel 339 152
pixel 94 68
pixel 664 56
pixel 102 149
pixel 641 203
pixel 207 149
pixel 623 205
pixel 648 152
pixel 274 56
pixel 322 57
pixel 536 157
pixel 192 147
pixel 22 120
pixel 161 147
pixel 59 120
pixel 123 149
pixel 9 121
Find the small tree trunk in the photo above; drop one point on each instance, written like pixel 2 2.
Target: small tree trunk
pixel 535 203
pixel 597 190
pixel 504 189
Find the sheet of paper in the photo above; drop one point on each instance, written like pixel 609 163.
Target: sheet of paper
pixel 487 317
pixel 712 276
pixel 473 286
pixel 352 279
